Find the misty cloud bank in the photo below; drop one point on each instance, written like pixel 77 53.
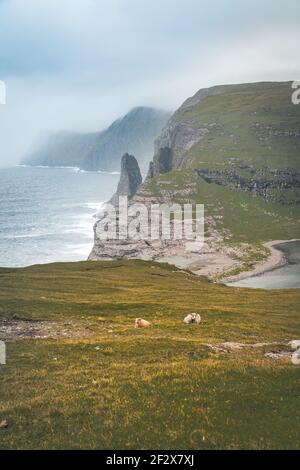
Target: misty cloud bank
pixel 79 64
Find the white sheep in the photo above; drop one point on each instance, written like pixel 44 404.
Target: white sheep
pixel 192 319
pixel 140 323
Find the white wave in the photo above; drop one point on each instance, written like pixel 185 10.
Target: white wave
pixel 102 172
pixel 84 229
pixel 82 250
pixel 33 235
pixel 74 168
pixel 94 205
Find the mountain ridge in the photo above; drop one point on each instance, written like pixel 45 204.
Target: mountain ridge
pixel 133 133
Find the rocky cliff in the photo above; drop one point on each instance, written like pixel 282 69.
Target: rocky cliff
pixel 266 183
pixel 236 150
pixel 227 129
pixel 134 133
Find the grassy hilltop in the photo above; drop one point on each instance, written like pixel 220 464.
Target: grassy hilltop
pixel 255 123
pixel 250 133
pixel 96 382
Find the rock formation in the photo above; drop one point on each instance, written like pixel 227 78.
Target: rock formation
pixel 130 178
pixel 243 137
pixel 259 182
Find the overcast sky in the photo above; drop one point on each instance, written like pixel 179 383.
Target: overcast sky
pixel 79 64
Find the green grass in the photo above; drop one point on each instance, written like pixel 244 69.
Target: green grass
pixel 235 111
pixel 237 141
pixel 240 216
pixel 156 388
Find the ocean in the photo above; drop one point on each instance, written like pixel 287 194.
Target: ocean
pixel 46 214
pixel 285 277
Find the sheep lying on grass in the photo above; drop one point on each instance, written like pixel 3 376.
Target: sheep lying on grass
pixel 140 323
pixel 192 319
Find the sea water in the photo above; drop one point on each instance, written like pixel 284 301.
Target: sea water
pixel 47 214
pixel 285 277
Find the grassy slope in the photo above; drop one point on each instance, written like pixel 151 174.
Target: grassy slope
pixel 242 217
pixel 236 111
pixel 156 388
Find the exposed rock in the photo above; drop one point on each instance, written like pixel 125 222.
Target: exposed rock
pixel 227 347
pixel 278 355
pixel 210 124
pixel 231 345
pixel 18 329
pixel 178 138
pixel 264 131
pixel 162 162
pixel 262 182
pixel 130 178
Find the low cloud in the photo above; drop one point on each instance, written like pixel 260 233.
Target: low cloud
pixel 80 64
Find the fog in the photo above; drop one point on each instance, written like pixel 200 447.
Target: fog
pixel 81 64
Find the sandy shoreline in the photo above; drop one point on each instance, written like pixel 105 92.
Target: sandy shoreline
pixel 275 260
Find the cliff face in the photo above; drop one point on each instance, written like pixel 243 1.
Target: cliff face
pixel 265 183
pixel 130 181
pixel 236 150
pixel 229 128
pixel 134 133
pixel 177 138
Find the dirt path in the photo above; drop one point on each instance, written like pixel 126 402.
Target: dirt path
pixel 19 329
pixel 22 329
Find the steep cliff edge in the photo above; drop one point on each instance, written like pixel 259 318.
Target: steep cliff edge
pixel 133 133
pixel 236 127
pixel 236 150
pixel 113 248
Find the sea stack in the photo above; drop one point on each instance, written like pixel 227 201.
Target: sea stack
pixel 115 248
pixel 130 178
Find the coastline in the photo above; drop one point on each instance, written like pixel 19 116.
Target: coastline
pixel 276 259
pixel 77 169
